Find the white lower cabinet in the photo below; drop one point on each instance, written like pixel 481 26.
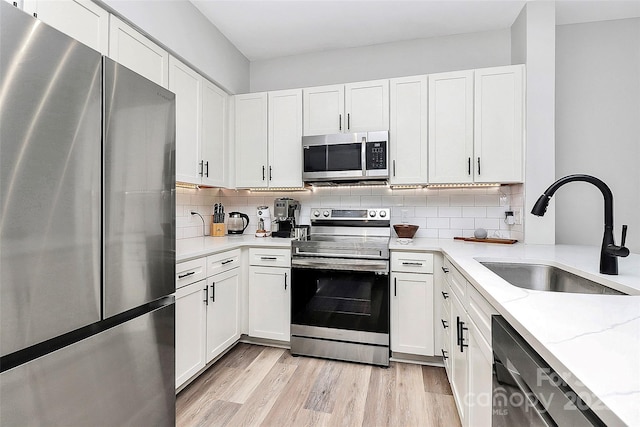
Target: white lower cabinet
pixel 470 356
pixel 191 333
pixel 269 302
pixel 207 311
pixel 223 320
pixel 412 313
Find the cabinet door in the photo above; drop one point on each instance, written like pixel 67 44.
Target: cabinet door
pixel 187 85
pixel 451 127
pixel 367 106
pixel 323 109
pixel 480 379
pixel 81 19
pixel 412 313
pixel 190 331
pixel 459 370
pixel 136 52
pixel 214 134
pixel 223 307
pixel 408 130
pixel 251 140
pixel 285 138
pixel 498 133
pixel 269 303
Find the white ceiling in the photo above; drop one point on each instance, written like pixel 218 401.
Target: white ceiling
pixel 271 29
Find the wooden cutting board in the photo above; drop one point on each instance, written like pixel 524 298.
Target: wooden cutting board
pixel 487 240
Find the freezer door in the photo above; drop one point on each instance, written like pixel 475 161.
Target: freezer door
pixel 123 376
pixel 50 213
pixel 139 190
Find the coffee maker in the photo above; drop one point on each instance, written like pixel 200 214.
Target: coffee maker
pixel 286 213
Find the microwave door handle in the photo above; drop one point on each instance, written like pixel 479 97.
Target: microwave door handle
pixel 363 147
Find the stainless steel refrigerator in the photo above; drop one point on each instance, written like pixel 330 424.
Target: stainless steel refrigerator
pixel 87 240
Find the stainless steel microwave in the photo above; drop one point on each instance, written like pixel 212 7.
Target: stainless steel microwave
pixel 346 157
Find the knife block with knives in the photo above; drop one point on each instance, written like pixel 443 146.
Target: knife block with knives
pixel 218 228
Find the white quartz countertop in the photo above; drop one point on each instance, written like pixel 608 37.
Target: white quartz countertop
pixel 592 341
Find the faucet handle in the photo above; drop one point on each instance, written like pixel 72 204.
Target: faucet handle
pixel 624 235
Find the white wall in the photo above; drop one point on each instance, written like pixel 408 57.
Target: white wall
pixel 437 54
pixel 179 25
pixel 533 41
pixel 598 128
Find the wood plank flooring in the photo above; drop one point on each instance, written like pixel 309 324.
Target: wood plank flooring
pixel 263 386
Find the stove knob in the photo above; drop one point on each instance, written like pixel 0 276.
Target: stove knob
pixel 316 213
pixel 372 214
pixel 259 213
pixel 326 214
pixel 383 214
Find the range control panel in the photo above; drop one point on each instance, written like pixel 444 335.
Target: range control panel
pixel 351 214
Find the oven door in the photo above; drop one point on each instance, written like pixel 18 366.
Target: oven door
pixel 337 298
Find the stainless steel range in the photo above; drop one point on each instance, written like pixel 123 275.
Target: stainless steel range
pixel 340 286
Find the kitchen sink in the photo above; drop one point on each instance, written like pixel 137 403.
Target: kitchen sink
pixel 540 277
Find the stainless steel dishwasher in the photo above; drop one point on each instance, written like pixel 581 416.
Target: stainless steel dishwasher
pixel 526 390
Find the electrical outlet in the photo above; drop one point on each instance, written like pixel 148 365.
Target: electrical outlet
pixel 517 216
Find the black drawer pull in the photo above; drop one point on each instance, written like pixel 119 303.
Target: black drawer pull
pixel 445 269
pixel 445 295
pixel 226 262
pixel 445 324
pixel 444 355
pixel 268 258
pixel 412 263
pixel 182 276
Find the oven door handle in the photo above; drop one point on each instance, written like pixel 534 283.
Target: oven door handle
pixel 377 266
pixel 370 255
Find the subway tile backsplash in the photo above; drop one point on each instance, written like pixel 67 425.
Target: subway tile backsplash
pixel 440 213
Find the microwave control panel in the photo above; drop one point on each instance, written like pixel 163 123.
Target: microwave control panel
pixel 376 154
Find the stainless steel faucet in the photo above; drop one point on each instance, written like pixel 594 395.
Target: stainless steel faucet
pixel 203 227
pixel 609 252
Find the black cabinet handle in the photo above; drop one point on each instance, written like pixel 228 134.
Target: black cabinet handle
pixel 213 292
pixel 444 354
pixel 457 330
pixel 412 263
pixel 182 276
pixel 340 122
pixel 201 167
pixel 445 324
pixel 445 295
pixel 270 178
pixel 285 281
pixel 263 173
pixel 469 166
pixel 269 258
pixel 348 121
pixel 206 295
pixel 226 262
pixel 394 168
pixel 461 343
pixel 478 165
pixel 445 269
pixel 395 286
pixel 207 172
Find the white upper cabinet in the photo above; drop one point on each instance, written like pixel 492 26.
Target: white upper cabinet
pixel 451 127
pixel 268 138
pixel 81 19
pixel 323 109
pixel 354 107
pixel 200 126
pixel 251 140
pixel 476 121
pixel 187 85
pixel 498 127
pixel 214 134
pixel 367 106
pixel 130 48
pixel 285 138
pixel 408 130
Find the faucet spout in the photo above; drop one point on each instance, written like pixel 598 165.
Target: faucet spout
pixel 609 251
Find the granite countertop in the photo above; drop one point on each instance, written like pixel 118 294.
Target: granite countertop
pixel 592 341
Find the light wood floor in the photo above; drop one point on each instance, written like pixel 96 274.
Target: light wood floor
pixel 263 386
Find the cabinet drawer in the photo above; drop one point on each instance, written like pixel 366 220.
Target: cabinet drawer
pixel 455 279
pixel 223 261
pixel 270 257
pixel 412 262
pixel 480 312
pixel 190 271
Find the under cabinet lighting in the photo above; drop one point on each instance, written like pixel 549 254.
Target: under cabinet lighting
pixel 468 185
pixel 406 187
pixel 279 189
pixel 187 185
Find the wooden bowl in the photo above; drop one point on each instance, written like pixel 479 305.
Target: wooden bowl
pixel 406 231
